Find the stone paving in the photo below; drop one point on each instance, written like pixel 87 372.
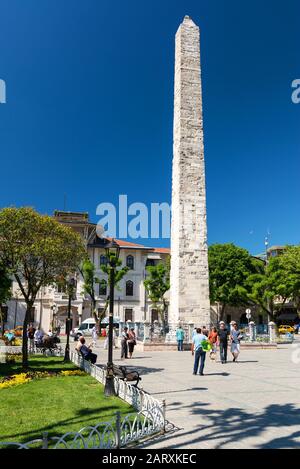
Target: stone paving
pixel 254 403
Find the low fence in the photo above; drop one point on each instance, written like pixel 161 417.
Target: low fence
pixel 116 433
pixel 134 396
pixel 150 419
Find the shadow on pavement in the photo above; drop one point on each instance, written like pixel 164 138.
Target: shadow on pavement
pixel 219 428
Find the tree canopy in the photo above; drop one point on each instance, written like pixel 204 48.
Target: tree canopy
pixel 229 269
pixel 91 281
pixel 157 284
pixel 37 250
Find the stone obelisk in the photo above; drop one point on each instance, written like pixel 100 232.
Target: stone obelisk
pixel 189 293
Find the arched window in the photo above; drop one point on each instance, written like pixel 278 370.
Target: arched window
pixel 102 287
pixel 154 315
pixel 61 287
pixel 129 288
pixel 103 260
pixel 130 262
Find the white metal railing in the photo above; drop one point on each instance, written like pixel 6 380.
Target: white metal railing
pixel 116 433
pixel 150 419
pixel 138 398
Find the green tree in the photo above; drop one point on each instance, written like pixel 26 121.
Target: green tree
pixel 289 263
pixel 267 289
pixel 279 284
pixel 37 250
pixel 91 282
pixel 157 284
pixel 120 272
pixel 229 268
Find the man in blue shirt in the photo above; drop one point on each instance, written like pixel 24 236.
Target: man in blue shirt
pixel 180 338
pixel 199 353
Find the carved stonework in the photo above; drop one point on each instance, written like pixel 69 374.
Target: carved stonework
pixel 189 294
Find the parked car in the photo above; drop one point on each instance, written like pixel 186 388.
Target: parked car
pixel 284 329
pixel 85 329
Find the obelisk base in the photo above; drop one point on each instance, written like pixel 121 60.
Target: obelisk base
pixel 171 335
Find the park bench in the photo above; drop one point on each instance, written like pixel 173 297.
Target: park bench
pixel 126 375
pixel 122 372
pixel 82 356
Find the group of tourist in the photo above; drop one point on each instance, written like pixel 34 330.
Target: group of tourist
pixel 128 342
pixel 204 340
pixel 38 338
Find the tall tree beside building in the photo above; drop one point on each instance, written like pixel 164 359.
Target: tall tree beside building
pixel 157 284
pixel 268 289
pixel 290 265
pixel 120 272
pixel 280 283
pixel 37 250
pixel 90 282
pixel 229 269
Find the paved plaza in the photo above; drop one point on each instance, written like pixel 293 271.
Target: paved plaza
pixel 250 404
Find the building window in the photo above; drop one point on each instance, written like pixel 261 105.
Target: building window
pixel 130 262
pixel 154 315
pixel 129 288
pixel 103 260
pixel 101 313
pixel 61 287
pixel 150 263
pixel 129 314
pixel 102 287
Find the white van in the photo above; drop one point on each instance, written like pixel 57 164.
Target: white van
pixel 85 328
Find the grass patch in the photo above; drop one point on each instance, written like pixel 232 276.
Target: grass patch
pixel 55 405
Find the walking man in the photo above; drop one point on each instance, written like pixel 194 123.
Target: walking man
pixel 180 337
pixel 223 341
pixel 198 351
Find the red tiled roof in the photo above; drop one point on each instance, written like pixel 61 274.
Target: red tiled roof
pixel 162 250
pixel 123 243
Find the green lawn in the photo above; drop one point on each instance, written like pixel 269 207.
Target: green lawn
pixel 55 405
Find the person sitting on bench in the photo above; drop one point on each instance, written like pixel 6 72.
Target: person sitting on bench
pixel 86 351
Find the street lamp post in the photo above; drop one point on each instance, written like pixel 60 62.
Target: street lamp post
pixel 71 284
pixel 112 254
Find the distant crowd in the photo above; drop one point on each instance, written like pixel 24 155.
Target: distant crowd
pixel 208 341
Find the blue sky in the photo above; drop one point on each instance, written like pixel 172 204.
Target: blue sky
pixel 90 107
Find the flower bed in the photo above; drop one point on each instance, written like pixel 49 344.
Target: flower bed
pixel 23 378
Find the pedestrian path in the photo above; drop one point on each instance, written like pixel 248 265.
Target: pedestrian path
pixel 250 404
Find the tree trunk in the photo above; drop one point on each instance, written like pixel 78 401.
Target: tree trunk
pixel 222 312
pixel 25 338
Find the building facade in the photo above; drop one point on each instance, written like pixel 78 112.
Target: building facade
pixel 131 301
